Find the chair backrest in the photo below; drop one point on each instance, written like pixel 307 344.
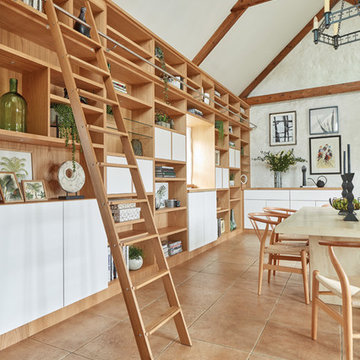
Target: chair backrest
pixel 268 219
pixel 279 211
pixel 344 281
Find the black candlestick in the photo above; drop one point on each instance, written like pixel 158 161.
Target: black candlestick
pixel 350 198
pixel 303 169
pixel 344 192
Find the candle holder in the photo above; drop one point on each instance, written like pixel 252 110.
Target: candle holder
pixel 343 193
pixel 350 216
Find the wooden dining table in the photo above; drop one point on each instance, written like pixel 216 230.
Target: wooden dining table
pixel 324 223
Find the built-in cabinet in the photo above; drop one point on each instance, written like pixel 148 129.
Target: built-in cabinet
pixel 169 145
pixel 234 158
pixel 56 257
pixel 202 221
pixel 222 178
pixel 255 200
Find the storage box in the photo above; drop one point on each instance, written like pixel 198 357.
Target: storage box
pixel 122 215
pixel 122 206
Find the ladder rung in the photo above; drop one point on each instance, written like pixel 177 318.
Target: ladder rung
pixel 88 109
pixel 163 319
pixel 101 130
pixel 85 65
pixel 138 240
pixel 72 35
pixel 127 201
pixel 121 166
pixel 131 235
pixel 150 280
pixel 95 97
pixel 87 84
pixel 130 222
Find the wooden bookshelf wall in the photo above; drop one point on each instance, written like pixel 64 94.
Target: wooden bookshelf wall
pixel 26 52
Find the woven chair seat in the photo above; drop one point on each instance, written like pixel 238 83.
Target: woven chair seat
pixel 335 286
pixel 293 237
pixel 286 249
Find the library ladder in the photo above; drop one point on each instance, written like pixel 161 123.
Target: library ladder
pixel 62 34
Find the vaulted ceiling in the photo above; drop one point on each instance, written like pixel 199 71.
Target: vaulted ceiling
pixel 256 35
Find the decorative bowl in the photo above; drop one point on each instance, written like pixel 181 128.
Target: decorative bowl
pixel 341 204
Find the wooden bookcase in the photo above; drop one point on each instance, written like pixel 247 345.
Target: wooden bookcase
pixel 27 53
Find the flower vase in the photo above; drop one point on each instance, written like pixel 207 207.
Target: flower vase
pixel 278 179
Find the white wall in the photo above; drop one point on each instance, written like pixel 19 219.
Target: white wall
pixel 309 65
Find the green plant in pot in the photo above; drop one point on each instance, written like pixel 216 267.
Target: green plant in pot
pixel 232 179
pixel 136 256
pixel 162 119
pixel 159 53
pixel 67 127
pixel 220 126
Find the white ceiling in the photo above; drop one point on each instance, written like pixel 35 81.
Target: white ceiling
pixel 250 45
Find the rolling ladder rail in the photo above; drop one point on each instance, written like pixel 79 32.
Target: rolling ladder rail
pixel 60 32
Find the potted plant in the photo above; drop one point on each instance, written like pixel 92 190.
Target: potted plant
pixel 135 258
pixel 279 163
pixel 67 127
pixel 162 119
pixel 220 126
pixel 232 179
pixel 159 53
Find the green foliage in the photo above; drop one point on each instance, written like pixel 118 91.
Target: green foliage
pixel 220 126
pixel 109 110
pixel 135 252
pixel 15 165
pixel 159 53
pixel 232 176
pixel 67 127
pixel 160 116
pixel 281 161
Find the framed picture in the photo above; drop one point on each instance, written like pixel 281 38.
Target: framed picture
pixel 18 162
pixel 325 155
pixel 161 194
pixel 323 121
pixel 282 128
pixel 9 188
pixel 217 158
pixel 34 190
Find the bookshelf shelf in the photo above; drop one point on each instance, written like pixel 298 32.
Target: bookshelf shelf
pixel 169 179
pixel 167 210
pixel 170 230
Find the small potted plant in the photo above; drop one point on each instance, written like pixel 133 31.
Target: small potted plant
pixel 162 119
pixel 135 258
pixel 232 179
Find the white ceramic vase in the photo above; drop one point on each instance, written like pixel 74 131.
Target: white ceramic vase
pixel 136 264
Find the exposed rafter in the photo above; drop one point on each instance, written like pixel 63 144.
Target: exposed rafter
pixel 283 53
pixel 236 11
pixel 305 93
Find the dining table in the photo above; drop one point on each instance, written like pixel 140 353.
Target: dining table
pixel 325 224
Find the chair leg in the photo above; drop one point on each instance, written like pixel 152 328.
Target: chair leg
pixel 261 270
pixel 348 329
pixel 315 307
pixel 270 262
pixel 305 277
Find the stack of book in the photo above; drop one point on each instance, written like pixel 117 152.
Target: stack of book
pixel 220 226
pixel 165 172
pixel 176 81
pixel 217 93
pixel 112 274
pixel 196 112
pixel 118 86
pixel 36 4
pixel 165 247
pixel 175 247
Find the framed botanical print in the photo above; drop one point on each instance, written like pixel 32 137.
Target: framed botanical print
pixel 18 162
pixel 9 188
pixel 325 155
pixel 324 121
pixel 282 128
pixel 34 190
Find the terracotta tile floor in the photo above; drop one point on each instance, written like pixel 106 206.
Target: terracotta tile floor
pixel 226 318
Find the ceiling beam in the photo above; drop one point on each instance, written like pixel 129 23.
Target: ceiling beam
pixel 236 11
pixel 305 93
pixel 283 53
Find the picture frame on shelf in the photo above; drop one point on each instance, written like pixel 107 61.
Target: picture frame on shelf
pixel 34 190
pixel 324 120
pixel 10 190
pixel 282 128
pixel 325 155
pixel 217 157
pixel 19 162
pixel 161 194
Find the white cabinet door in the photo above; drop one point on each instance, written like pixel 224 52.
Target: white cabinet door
pixel 210 220
pixel 278 203
pixel 31 262
pixel 252 206
pixel 196 230
pixel 118 180
pixel 237 159
pixel 218 177
pixel 147 173
pixel 163 144
pixel 231 157
pixel 178 147
pixel 225 178
pixel 298 204
pixel 85 251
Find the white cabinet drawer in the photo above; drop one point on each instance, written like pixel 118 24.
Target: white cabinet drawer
pixel 162 144
pixel 251 206
pixel 266 194
pixel 314 195
pixel 298 204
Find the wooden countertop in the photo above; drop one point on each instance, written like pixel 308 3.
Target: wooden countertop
pixel 296 188
pixel 318 221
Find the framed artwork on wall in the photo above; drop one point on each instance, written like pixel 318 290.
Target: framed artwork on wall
pixel 282 128
pixel 9 188
pixel 325 155
pixel 324 121
pixel 18 162
pixel 34 190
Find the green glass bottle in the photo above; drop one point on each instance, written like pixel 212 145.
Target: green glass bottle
pixel 13 109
